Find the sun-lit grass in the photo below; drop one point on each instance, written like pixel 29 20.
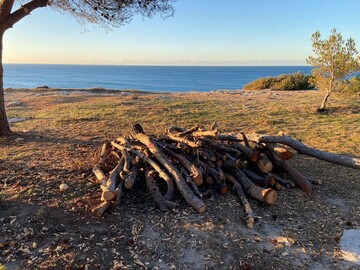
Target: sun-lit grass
pixel 293 114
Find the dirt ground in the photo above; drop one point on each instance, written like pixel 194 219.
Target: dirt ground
pixel 57 134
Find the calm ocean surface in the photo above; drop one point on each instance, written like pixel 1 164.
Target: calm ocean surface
pixel 148 78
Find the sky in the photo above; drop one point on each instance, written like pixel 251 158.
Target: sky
pixel 201 32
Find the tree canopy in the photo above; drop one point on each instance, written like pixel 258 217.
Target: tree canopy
pixel 334 59
pixel 113 12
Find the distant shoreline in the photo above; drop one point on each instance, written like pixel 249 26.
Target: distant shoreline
pixel 99 90
pixel 137 65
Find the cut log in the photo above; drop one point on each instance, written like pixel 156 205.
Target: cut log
pixel 190 182
pixel 283 182
pixel 351 162
pixel 237 188
pixel 184 189
pixel 268 181
pixel 264 164
pixel 217 175
pixel 127 160
pixel 100 209
pixel 206 154
pixel 230 162
pixel 206 133
pixel 188 132
pixel 191 168
pixel 281 152
pixel 101 177
pixel 225 149
pixel 108 193
pixel 154 191
pixel 253 155
pixel 119 191
pixel 175 138
pixel 230 137
pixel 131 177
pixel 301 181
pixel 170 185
pixel 267 195
pixel 245 139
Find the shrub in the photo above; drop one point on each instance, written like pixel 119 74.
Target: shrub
pixel 351 86
pixel 295 81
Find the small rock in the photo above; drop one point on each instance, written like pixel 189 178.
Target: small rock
pixel 63 187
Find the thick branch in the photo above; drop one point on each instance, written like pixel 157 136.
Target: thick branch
pixel 298 178
pixel 5 9
pixel 243 200
pixel 159 200
pixel 184 189
pixel 170 186
pixel 192 169
pixel 24 11
pixel 351 162
pixel 267 195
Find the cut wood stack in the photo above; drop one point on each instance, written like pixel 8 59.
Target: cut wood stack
pixel 190 161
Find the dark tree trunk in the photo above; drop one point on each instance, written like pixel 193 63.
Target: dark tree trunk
pixel 7 19
pixel 4 124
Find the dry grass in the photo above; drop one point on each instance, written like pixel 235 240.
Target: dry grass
pixel 57 143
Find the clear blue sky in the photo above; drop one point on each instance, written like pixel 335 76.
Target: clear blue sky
pixel 202 32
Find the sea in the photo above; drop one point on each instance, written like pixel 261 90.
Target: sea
pixel 143 78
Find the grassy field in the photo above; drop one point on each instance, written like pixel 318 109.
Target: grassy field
pixel 61 131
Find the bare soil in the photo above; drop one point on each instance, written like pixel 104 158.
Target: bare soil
pixel 58 132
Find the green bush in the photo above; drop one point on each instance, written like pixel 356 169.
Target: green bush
pixel 351 86
pixel 295 81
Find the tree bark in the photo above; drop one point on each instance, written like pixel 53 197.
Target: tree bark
pixel 4 124
pixel 301 181
pixel 7 20
pixel 323 104
pixel 184 189
pixel 267 195
pixel 23 11
pixel 237 188
pixel 329 91
pixel 305 150
pixel 170 186
pixel 192 169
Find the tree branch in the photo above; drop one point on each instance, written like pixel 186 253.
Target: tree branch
pixel 351 162
pixel 5 9
pixel 24 11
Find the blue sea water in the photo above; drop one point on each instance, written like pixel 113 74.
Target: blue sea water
pixel 147 78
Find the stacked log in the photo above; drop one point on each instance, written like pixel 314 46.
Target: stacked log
pixel 190 161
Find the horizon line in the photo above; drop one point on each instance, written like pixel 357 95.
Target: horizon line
pixel 165 65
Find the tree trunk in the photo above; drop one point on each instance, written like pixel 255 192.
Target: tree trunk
pixel 4 124
pixel 323 104
pixel 322 107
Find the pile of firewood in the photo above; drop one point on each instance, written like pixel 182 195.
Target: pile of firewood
pixel 193 160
